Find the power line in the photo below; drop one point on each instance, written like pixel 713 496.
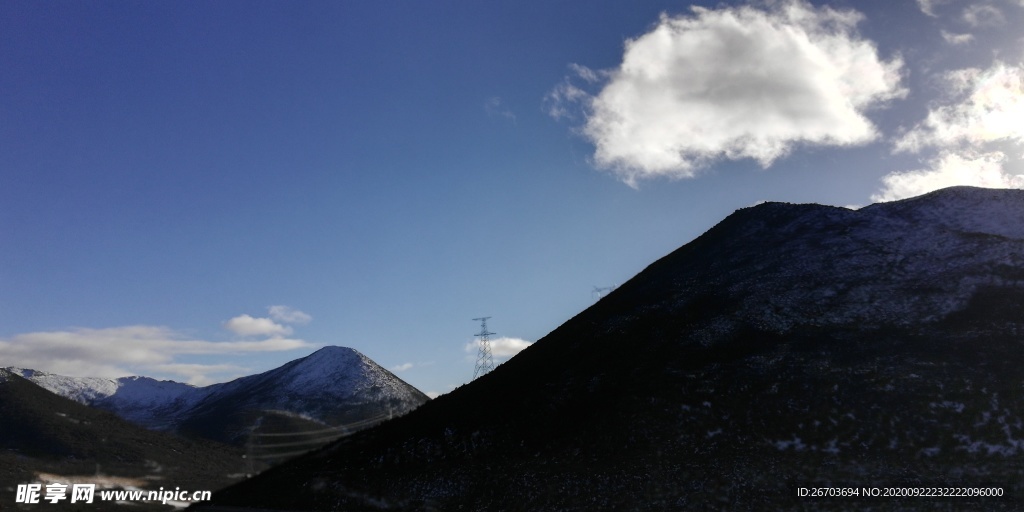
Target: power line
pixel 484 361
pixel 258 450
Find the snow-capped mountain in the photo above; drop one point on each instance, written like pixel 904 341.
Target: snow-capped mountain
pixel 83 390
pixel 789 346
pixel 333 386
pixel 142 400
pixel 42 433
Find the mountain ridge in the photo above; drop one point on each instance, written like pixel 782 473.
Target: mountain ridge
pixel 44 437
pixel 331 386
pixel 787 346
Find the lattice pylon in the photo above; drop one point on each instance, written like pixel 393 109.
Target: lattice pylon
pixel 484 360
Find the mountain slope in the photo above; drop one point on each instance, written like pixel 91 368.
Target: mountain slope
pixel 333 386
pixel 41 432
pixel 789 346
pixel 142 400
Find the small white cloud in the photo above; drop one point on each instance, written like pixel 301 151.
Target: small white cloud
pixel 949 169
pixel 246 325
pixel 731 83
pixel 289 315
pixel 988 106
pixel 557 101
pixel 587 74
pixel 983 15
pixel 401 367
pixel 957 39
pixel 928 6
pixel 203 374
pixel 501 347
pixel 495 108
pixel 432 394
pixel 508 347
pixel 131 350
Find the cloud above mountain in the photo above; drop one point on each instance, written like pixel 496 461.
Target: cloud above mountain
pixel 503 347
pixel 153 351
pixel 245 325
pixel 985 106
pixel 130 350
pixel 730 83
pixel 401 367
pixel 288 315
pixel 976 132
pixel 947 170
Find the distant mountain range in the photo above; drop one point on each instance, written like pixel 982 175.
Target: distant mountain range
pixel 45 438
pixel 333 387
pixel 790 346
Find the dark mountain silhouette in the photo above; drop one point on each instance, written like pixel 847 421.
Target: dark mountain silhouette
pixel 41 432
pixel 789 346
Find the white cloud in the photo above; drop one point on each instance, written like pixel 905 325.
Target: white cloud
pixel 508 347
pixel 432 394
pixel 130 350
pixel 949 169
pixel 288 315
pixel 495 108
pixel 984 110
pixel 928 6
pixel 732 83
pixel 988 106
pixel 246 325
pixel 203 374
pixel 587 74
pixel 983 15
pixel 401 367
pixel 501 347
pixel 956 39
pixel 557 101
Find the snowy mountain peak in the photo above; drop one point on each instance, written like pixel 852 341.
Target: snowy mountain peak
pixel 332 350
pixel 332 358
pixel 80 389
pixel 335 370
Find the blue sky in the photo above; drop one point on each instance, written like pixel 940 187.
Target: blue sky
pixel 198 191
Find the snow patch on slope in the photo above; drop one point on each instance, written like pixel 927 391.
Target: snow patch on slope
pixel 84 390
pixel 967 209
pixel 789 265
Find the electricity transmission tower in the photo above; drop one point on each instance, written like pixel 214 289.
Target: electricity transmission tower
pixel 484 361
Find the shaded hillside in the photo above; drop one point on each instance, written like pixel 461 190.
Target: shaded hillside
pixel 789 346
pixel 41 432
